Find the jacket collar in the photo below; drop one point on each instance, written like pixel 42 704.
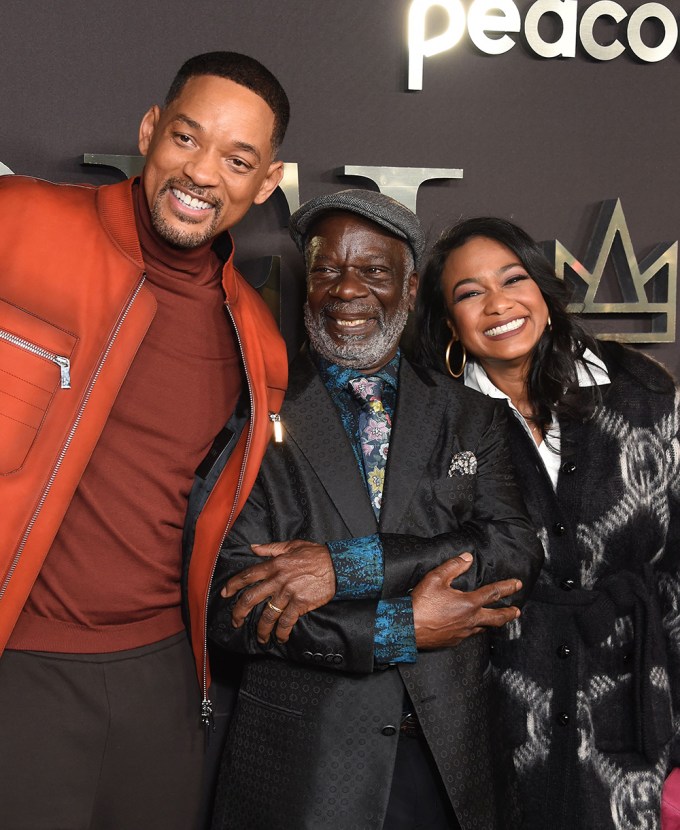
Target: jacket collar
pixel 415 433
pixel 117 215
pixel 312 421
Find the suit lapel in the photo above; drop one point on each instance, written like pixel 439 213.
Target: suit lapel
pixel 417 423
pixel 312 422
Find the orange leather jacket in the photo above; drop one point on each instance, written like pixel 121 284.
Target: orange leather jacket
pixel 73 312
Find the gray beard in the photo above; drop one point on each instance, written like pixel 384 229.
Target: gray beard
pixel 355 353
pixel 175 236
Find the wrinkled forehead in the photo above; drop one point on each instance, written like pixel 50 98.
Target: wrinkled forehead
pixel 335 228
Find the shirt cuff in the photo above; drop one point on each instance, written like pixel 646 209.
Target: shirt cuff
pixel 395 634
pixel 358 565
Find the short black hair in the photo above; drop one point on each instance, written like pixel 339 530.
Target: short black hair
pixel 242 70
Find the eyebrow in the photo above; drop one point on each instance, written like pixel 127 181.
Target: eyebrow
pixel 368 258
pixel 248 148
pixel 240 145
pixel 189 122
pixel 502 270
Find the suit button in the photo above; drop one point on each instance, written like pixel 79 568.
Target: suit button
pixel 563 719
pixel 563 652
pixel 559 529
pixel 389 730
pixel 569 467
pixel 337 659
pixel 567 584
pixel 307 655
pixel 317 657
pixel 329 658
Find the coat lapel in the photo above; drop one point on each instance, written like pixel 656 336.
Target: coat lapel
pixel 417 423
pixel 311 420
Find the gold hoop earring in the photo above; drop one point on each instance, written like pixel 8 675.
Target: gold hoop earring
pixel 448 355
pixel 549 326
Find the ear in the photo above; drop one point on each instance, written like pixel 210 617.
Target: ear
pixel 451 328
pixel 413 280
pixel 270 183
pixel 147 128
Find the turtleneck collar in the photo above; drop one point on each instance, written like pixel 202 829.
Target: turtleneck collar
pixel 200 264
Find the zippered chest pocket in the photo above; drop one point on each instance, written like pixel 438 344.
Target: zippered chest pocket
pixel 35 365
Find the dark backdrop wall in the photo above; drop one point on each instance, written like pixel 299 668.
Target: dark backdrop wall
pixel 542 142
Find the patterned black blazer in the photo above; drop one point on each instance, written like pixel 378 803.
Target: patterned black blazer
pixel 312 743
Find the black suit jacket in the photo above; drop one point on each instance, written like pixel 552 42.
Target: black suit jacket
pixel 313 742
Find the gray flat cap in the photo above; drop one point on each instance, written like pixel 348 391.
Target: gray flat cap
pixel 381 209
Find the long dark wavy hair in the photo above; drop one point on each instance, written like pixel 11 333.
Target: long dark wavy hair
pixel 552 383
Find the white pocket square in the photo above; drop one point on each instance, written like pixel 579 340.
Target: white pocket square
pixel 463 463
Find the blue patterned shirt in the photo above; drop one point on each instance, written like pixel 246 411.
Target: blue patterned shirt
pixel 358 563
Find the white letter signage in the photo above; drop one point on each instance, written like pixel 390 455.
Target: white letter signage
pixel 489 22
pixel 565 45
pixel 420 47
pixel 652 54
pixel 480 22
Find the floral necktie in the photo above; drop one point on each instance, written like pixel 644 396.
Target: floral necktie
pixel 374 431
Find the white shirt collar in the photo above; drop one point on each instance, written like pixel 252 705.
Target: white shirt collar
pixel 550 450
pixel 594 375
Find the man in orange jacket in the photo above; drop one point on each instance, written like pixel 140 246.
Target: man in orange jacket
pixel 128 342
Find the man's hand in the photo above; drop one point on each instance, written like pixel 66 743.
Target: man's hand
pixel 444 617
pixel 296 577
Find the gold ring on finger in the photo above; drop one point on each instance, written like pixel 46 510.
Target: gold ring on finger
pixel 274 608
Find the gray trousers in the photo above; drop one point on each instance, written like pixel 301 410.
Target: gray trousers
pixel 101 742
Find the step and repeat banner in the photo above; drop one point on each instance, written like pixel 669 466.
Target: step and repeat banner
pixel 560 115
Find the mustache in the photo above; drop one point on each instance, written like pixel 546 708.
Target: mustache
pixel 202 193
pixel 353 308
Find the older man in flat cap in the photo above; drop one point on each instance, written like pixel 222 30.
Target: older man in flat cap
pixel 355 575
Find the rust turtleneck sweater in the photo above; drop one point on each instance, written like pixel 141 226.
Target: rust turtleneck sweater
pixel 111 580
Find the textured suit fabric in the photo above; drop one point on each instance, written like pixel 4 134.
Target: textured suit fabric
pixel 315 733
pixel 589 677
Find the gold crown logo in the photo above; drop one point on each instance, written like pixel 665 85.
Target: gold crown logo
pixel 647 289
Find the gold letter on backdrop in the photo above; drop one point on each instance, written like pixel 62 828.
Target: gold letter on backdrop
pixel 401 183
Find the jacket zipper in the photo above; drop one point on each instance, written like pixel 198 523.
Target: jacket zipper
pixel 69 439
pixel 206 703
pixel 275 418
pixel 63 363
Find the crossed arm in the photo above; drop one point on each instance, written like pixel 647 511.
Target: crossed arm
pixel 280 595
pixel 298 577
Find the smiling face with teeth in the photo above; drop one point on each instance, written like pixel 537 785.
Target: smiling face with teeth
pixel 361 285
pixel 494 307
pixel 209 157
